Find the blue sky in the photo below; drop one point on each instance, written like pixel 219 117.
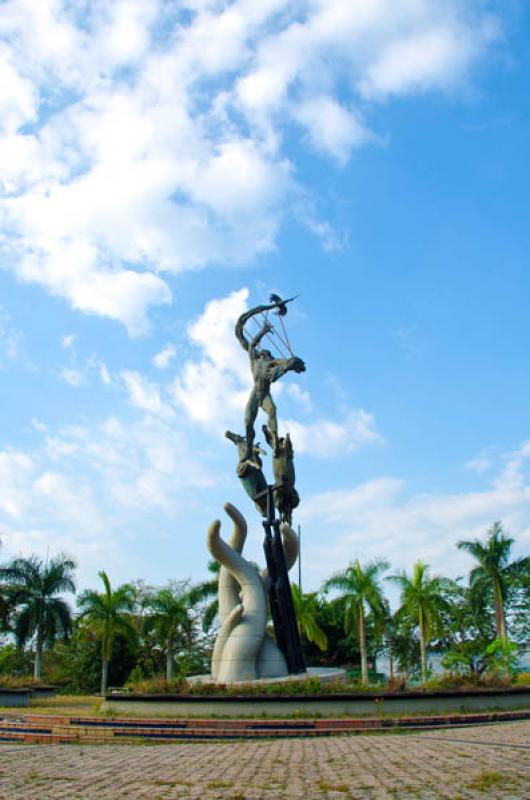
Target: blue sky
pixel 165 165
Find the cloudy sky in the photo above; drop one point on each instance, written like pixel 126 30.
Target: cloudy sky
pixel 165 165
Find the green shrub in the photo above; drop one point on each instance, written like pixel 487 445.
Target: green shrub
pixel 469 680
pixel 135 676
pixel 14 662
pixel 501 655
pixel 158 685
pixel 294 688
pixel 456 662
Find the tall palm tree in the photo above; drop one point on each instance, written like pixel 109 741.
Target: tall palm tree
pixel 494 571
pixel 207 590
pixel 168 618
pixel 107 613
pixel 421 602
pixel 33 586
pixel 306 609
pixel 361 593
pixel 389 631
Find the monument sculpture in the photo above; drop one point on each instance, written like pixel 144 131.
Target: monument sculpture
pixel 244 650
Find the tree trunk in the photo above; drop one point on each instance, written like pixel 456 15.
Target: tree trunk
pixel 39 645
pixel 169 661
pixel 37 669
pixel 104 674
pixel 390 661
pixel 500 622
pixel 362 645
pixel 423 649
pixel 105 655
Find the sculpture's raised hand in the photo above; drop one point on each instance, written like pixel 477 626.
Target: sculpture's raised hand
pixel 297 364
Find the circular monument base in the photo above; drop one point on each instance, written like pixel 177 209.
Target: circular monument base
pixel 352 704
pixel 324 675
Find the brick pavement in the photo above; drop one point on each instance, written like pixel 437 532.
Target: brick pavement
pixel 486 762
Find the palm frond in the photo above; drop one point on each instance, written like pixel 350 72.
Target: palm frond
pixel 210 613
pixel 25 624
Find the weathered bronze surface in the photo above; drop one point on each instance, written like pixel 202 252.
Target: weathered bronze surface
pixel 286 498
pixel 249 470
pixel 266 370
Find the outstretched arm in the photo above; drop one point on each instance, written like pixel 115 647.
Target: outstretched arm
pixel 259 336
pixel 282 365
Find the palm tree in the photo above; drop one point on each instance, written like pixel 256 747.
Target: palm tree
pixel 494 571
pixel 168 617
pixel 361 592
pixel 421 602
pixel 107 613
pixel 389 630
pixel 6 608
pixel 33 586
pixel 207 590
pixel 306 609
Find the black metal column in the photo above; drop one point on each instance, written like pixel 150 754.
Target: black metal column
pixel 279 589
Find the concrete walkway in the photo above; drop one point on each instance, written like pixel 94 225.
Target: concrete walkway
pixel 482 762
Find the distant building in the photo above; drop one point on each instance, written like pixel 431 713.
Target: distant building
pixel 434 662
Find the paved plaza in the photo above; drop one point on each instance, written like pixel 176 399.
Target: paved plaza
pixel 457 764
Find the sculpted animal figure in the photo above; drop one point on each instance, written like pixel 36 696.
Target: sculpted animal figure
pixel 243 649
pixel 286 498
pixel 249 470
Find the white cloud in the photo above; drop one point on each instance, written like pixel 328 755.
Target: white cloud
pixel 332 129
pixel 380 519
pixel 9 340
pixel 163 358
pixel 68 340
pixel 16 470
pixel 301 397
pixel 479 464
pixel 80 375
pixel 18 100
pixel 327 438
pixel 213 389
pixel 74 377
pixel 104 374
pixel 141 140
pixel 433 58
pixel 144 394
pixel 145 463
pixel 516 469
pixel 89 489
pixel 38 424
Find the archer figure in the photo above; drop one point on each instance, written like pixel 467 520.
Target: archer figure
pixel 265 371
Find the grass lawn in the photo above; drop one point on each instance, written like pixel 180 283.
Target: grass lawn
pixel 68 705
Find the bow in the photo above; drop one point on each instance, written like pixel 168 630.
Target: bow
pixel 281 340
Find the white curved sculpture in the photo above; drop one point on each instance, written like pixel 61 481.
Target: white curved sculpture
pixel 243 649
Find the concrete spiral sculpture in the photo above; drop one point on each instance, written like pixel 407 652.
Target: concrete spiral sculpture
pixel 243 648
